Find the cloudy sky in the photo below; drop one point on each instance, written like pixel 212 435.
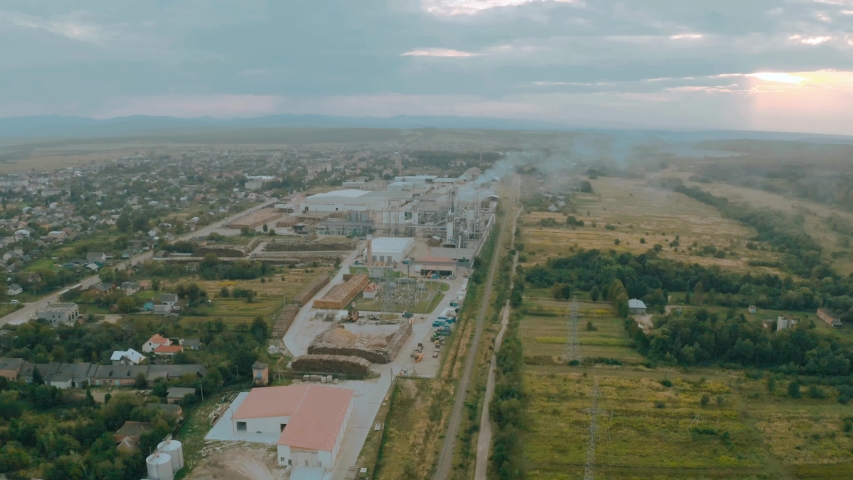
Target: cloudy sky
pixel 731 64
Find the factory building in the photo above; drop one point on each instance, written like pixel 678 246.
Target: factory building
pixel 309 419
pixel 442 266
pixel 391 249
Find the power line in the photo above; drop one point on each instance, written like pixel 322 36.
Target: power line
pixel 573 348
pixel 589 467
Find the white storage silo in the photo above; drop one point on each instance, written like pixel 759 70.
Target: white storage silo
pixel 175 450
pixel 159 466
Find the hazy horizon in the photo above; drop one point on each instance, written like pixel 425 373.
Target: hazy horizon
pixel 654 64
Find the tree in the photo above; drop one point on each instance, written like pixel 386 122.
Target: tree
pixel 794 390
pixel 37 378
pixel 260 329
pixel 155 285
pixel 140 382
pixel 585 187
pixel 622 304
pixel 706 399
pixel 107 275
pixel 90 400
pixel 771 384
pixel 594 294
pixel 250 296
pixel 265 228
pixel 123 223
pixel 126 305
pixel 244 360
pixel 224 293
pixel 698 292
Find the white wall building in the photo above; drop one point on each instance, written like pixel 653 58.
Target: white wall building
pixel 391 249
pixel 311 420
pixel 59 314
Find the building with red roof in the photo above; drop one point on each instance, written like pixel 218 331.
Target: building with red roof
pixel 311 420
pixel 168 350
pixel 155 341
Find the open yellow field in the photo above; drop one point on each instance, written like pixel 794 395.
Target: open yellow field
pixel 815 214
pixel 637 211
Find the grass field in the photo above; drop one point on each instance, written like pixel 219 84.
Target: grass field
pixel 639 213
pixel 649 430
pixel 815 214
pixel 270 295
pixel 544 337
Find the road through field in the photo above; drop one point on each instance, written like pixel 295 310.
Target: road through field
pixel 484 438
pixel 29 310
pixel 445 459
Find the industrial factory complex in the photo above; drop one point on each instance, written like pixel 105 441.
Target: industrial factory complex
pixel 405 249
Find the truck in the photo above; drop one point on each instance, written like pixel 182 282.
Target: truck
pixel 408 315
pixel 439 323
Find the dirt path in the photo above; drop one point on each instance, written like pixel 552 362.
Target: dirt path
pixel 445 458
pixel 484 438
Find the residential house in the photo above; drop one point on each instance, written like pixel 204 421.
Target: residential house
pixel 169 299
pixel 155 341
pixel 103 288
pixel 127 357
pixel 176 394
pixel 132 431
pixel 98 257
pixel 168 350
pixel 191 343
pixel 14 289
pixel 130 288
pixel 636 307
pixel 783 323
pixel 10 368
pixel 172 409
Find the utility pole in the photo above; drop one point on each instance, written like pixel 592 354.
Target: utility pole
pixel 589 467
pixel 572 351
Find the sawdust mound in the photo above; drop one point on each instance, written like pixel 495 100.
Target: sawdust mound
pixel 340 336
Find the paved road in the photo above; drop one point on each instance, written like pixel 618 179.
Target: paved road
pixel 29 310
pixel 484 437
pixel 445 459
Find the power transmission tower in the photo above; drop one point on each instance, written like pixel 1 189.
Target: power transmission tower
pixel 573 347
pixel 589 467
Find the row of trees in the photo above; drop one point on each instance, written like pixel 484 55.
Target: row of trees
pixel 699 337
pixel 801 255
pixel 650 278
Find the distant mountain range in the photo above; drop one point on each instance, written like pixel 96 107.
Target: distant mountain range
pixel 53 126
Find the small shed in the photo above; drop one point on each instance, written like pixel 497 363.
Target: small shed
pixel 176 394
pixel 260 373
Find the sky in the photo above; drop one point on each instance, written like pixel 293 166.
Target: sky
pixel 779 65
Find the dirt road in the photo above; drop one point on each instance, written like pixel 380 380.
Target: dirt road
pixel 445 459
pixel 484 438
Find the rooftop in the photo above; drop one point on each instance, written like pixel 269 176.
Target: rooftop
pixel 134 429
pixel 391 244
pixel 346 193
pixel 634 303
pixel 316 412
pixel 179 392
pixel 436 260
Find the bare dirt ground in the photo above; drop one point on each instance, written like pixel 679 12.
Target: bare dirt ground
pixel 235 461
pixel 644 321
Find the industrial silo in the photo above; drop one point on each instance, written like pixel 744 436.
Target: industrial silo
pixel 159 467
pixel 175 450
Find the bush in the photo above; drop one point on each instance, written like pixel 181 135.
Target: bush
pixel 666 382
pixel 706 399
pixel 660 404
pixel 816 392
pixel 794 390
